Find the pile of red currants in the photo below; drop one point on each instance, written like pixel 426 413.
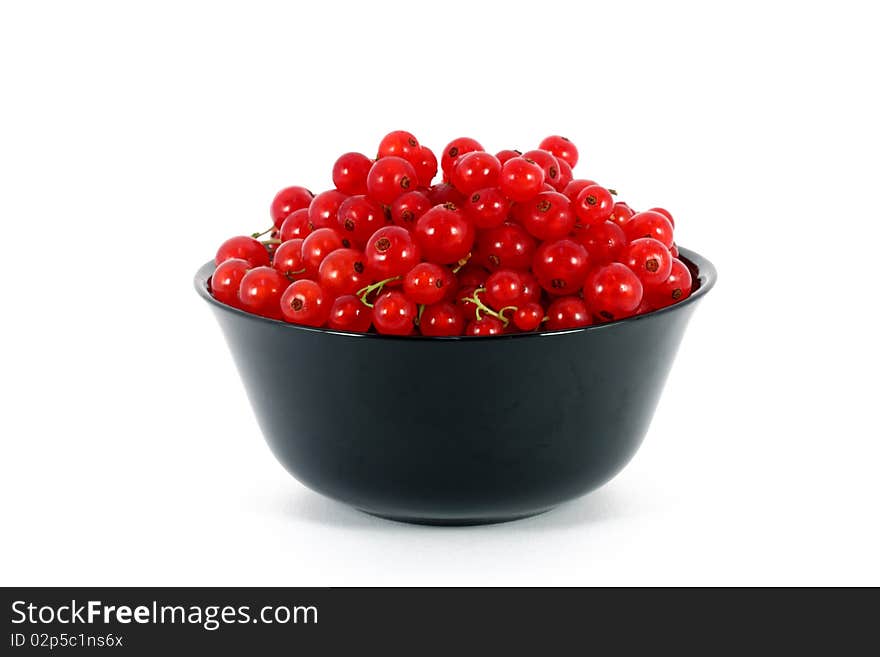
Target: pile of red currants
pixel 507 243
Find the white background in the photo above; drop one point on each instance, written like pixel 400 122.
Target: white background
pixel 135 137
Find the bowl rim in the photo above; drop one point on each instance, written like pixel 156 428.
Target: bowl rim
pixel 705 279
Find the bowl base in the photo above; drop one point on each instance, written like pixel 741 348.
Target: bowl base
pixel 457 522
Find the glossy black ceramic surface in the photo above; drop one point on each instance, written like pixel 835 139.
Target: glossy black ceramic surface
pixel 456 430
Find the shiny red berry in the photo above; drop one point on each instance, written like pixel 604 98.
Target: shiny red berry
pixel 574 187
pixel 445 193
pixel 649 259
pixel 288 200
pixel 343 271
pixel 621 213
pixel 350 173
pixel 665 213
pixel 260 291
pixel 675 288
pixel 441 319
pixel 547 162
pixel 565 176
pixel 487 208
pixel 394 314
pixel 604 242
pixel 474 171
pixel 348 313
pixel 561 266
pixel 245 248
pixel 593 205
pixel 472 275
pixel 562 148
pixel 567 313
pixel 391 251
pixel 613 291
pixel 407 208
pixel 485 327
pixel 521 179
pixel 528 316
pixel 548 216
pixel 425 164
pixel 316 246
pixel 288 259
pixel 427 283
pixel 508 246
pixel 531 288
pixel 454 150
pixel 507 154
pixel 304 302
pixel 358 218
pixel 226 280
pixel 390 177
pixel 504 288
pixel 649 224
pixel 324 207
pixel 399 143
pixel 296 225
pixel 444 234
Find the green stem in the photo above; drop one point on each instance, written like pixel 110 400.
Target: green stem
pixel 365 292
pixel 270 242
pixel 461 263
pixel 257 236
pixel 482 308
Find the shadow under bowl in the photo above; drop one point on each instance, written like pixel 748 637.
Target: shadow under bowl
pixel 462 430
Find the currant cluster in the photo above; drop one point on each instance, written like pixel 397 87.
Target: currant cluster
pixel 510 242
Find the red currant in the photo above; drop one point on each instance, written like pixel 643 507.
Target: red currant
pixel 324 207
pixel 487 208
pixel 454 150
pixel 521 179
pixel 531 287
pixel 350 173
pixel 288 200
pixel 288 259
pixel 649 224
pixel 485 326
pixel 468 308
pixel 508 246
pixel 472 275
pixel 665 213
pixel 675 288
pixel 441 319
pixel 444 234
pixel 547 162
pixel 296 225
pixel 573 188
pixel 528 316
pixel 562 148
pixel 316 246
pixel 245 248
pixel 567 313
pixel 390 177
pixel 348 314
pixel 408 207
pixel 507 154
pixel 426 166
pixel 445 193
pixel 226 280
pixel 621 213
pixel 604 242
pixel 260 291
pixel 343 271
pixel 561 266
pixel 400 143
pixel 475 171
pixel 613 291
pixel 391 251
pixel 304 302
pixel 427 283
pixel 674 250
pixel 358 218
pixel 566 175
pixel 394 314
pixel 649 260
pixel 593 205
pixel 504 288
pixel 548 216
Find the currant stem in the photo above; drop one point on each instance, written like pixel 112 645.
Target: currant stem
pixel 259 235
pixel 613 192
pixel 421 310
pixel 461 263
pixel 482 308
pixel 270 241
pixel 363 293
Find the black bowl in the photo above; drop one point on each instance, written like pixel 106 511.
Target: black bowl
pixel 456 430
